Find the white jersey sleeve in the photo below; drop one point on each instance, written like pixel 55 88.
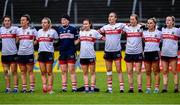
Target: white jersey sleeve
pixel 35 32
pixel 178 33
pixel 102 30
pixel 97 35
pixel 55 34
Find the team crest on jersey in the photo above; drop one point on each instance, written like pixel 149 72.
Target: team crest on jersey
pixel 72 56
pixel 155 35
pixel 138 30
pixel 115 28
pixel 172 32
pixel 90 34
pixel 10 31
pixel 48 35
pixel 68 31
pixel 28 33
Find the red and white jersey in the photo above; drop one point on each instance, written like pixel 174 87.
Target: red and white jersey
pixel 8 36
pixel 170 42
pixel 134 40
pixel 26 40
pixel 87 39
pixel 113 36
pixel 152 40
pixel 46 39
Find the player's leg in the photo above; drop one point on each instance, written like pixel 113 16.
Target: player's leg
pixel 30 67
pixel 71 67
pixel 85 76
pixel 148 76
pixel 23 70
pixel 120 74
pixel 93 75
pixel 49 69
pixel 155 66
pixel 173 64
pixel 13 67
pixel 6 68
pixel 72 71
pixel 64 72
pixel 42 66
pixel 129 66
pixel 109 75
pixel 165 68
pixel 139 75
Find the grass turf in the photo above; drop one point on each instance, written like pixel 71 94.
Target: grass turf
pixel 89 98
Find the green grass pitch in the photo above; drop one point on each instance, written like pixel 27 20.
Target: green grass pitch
pixel 89 98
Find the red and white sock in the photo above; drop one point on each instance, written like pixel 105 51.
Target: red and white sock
pixel 74 86
pixel 121 85
pixel 110 85
pixel 86 87
pixel 93 86
pixel 64 86
pixel 24 86
pixel 32 85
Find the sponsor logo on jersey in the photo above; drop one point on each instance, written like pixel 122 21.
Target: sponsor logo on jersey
pixel 68 31
pixel 72 56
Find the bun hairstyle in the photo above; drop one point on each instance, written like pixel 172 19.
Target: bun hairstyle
pixel 116 16
pixel 4 18
pixel 90 22
pixel 136 17
pixel 27 17
pixel 49 21
pixel 66 17
pixel 173 19
pixel 153 19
